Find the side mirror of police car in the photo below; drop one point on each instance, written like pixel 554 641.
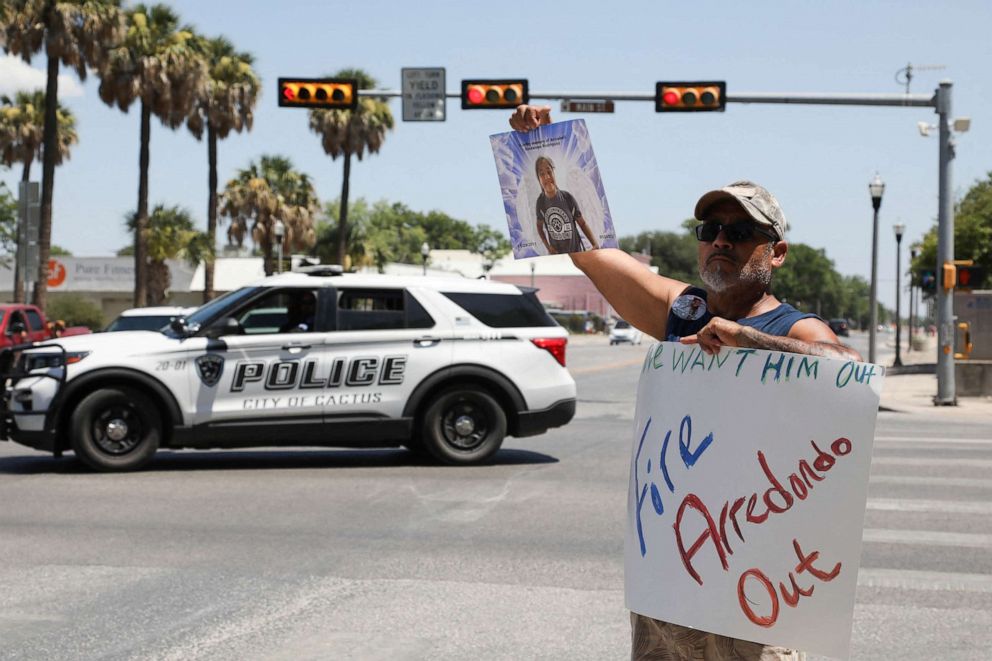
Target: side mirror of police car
pixel 178 325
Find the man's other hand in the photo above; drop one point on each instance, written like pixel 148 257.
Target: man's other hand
pixel 528 118
pixel 717 333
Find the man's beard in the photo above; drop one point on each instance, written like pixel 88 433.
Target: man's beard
pixel 754 272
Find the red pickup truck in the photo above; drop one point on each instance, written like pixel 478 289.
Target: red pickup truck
pixel 20 324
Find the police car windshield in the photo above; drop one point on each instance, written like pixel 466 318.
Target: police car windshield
pixel 210 311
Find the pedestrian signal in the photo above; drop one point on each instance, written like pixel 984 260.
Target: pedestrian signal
pixel 928 280
pixel 691 97
pixel 970 277
pixel 318 93
pixel 494 94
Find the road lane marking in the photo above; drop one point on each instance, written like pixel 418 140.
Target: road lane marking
pixel 932 440
pixel 919 480
pixel 933 506
pixel 927 538
pixel 905 579
pixel 603 368
pixel 936 462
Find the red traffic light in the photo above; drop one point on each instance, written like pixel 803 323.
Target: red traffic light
pixel 691 96
pixel 318 93
pixel 494 94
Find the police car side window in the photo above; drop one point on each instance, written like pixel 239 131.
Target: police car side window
pixel 379 309
pixel 280 311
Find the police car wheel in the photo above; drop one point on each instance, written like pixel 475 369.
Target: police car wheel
pixel 115 429
pixel 463 425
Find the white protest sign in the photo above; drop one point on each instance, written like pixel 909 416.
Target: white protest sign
pixel 749 474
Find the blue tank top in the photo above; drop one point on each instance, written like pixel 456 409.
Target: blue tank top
pixel 690 313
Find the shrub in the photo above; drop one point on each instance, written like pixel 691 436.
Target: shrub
pixel 75 310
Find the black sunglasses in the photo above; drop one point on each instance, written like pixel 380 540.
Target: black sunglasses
pixel 735 233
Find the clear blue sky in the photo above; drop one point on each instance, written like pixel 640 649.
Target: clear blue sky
pixel 816 159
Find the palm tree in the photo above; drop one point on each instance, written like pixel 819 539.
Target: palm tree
pixel 171 235
pixel 263 193
pixel 347 132
pixel 75 33
pixel 22 129
pixel 160 63
pixel 227 102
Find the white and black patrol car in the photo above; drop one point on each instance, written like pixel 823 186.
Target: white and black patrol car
pixel 445 365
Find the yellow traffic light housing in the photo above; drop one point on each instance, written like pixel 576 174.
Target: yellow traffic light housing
pixel 494 94
pixel 318 93
pixel 950 276
pixel 691 96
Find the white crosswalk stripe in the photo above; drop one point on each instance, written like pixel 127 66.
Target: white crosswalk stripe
pixel 904 579
pixel 927 538
pixel 934 462
pixel 930 506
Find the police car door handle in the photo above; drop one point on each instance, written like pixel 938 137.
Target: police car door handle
pixel 423 342
pixel 295 348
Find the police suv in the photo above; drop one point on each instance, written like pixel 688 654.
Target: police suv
pixel 447 366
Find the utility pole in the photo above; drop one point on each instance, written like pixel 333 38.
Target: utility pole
pixel 946 395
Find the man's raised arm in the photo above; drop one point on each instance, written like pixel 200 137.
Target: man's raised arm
pixel 638 295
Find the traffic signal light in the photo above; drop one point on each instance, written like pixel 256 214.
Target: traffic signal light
pixel 970 277
pixel 318 93
pixel 690 97
pixel 494 94
pixel 950 276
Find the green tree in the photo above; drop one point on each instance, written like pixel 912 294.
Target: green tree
pixel 22 128
pixel 226 104
pixel 8 226
pixel 76 33
pixel 263 193
pixel 491 244
pixel 809 281
pixel 171 235
pixel 391 232
pixel 75 310
pixel 59 251
pixel 972 233
pixel 674 253
pixel 159 63
pixel 351 132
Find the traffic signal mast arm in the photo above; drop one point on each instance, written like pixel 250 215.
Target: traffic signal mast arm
pixel 905 100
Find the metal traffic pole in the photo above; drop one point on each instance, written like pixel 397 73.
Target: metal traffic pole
pixel 946 395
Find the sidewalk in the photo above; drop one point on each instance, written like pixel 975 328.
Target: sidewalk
pixel 914 393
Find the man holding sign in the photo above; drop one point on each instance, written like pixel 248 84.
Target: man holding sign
pixel 741 242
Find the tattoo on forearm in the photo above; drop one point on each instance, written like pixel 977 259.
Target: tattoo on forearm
pixel 758 340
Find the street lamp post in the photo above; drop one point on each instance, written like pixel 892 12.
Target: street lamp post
pixel 279 230
pixel 425 251
pixel 912 302
pixel 876 188
pixel 899 228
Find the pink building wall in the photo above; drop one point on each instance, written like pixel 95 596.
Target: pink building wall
pixel 570 292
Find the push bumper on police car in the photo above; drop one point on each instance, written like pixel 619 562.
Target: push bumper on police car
pixel 30 426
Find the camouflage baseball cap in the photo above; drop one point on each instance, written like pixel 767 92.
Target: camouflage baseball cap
pixel 754 199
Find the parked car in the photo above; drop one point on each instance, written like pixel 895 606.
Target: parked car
pixel 839 327
pixel 154 318
pixel 21 324
pixel 446 366
pixel 622 332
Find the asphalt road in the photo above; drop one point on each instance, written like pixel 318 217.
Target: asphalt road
pixel 317 554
